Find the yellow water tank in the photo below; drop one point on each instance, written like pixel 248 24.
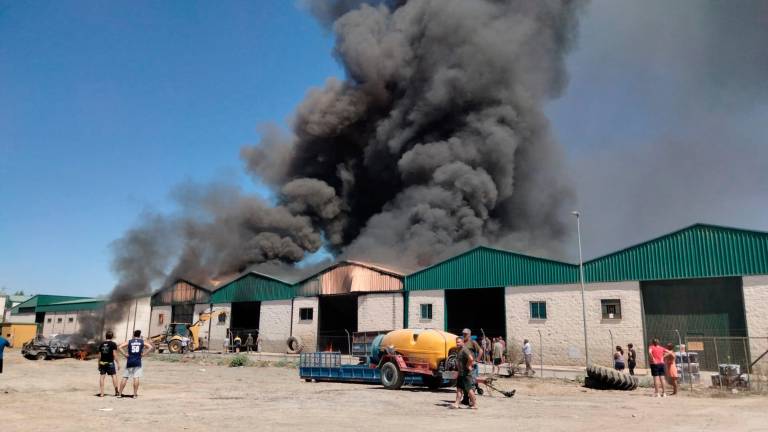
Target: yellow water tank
pixel 431 346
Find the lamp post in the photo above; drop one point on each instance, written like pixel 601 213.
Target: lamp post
pixel 581 278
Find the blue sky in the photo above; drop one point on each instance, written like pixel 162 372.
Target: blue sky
pixel 106 106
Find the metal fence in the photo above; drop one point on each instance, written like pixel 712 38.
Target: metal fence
pixel 729 363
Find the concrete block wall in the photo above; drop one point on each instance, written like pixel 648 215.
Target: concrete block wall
pixel 306 329
pixel 382 311
pixel 755 302
pixel 274 325
pixel 434 297
pixel 125 317
pixel 562 331
pixel 218 329
pixel 155 326
pixel 60 323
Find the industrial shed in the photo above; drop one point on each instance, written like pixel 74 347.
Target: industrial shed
pixel 346 297
pixel 29 311
pixel 179 302
pixel 703 280
pixel 67 317
pixel 257 304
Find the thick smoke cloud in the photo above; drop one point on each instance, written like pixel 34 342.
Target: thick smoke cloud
pixel 666 118
pixel 435 141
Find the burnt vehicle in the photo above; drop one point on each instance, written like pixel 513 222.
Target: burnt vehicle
pixel 59 346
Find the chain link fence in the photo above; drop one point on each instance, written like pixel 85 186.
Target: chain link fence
pixel 727 363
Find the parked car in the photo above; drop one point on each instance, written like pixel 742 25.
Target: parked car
pixel 58 346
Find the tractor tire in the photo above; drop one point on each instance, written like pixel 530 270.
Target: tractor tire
pixel 294 345
pixel 602 378
pixel 175 346
pixel 391 376
pixel 432 382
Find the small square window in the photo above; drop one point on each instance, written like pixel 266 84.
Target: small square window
pixel 223 317
pixel 58 320
pixel 306 314
pixel 611 309
pixel 49 320
pixel 426 311
pixel 71 319
pixel 161 319
pixel 539 310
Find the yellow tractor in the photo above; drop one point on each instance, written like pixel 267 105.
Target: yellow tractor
pixel 181 337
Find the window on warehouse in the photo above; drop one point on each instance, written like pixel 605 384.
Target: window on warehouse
pixel 70 319
pixel 426 311
pixel 58 320
pixel 611 308
pixel 306 314
pixel 538 310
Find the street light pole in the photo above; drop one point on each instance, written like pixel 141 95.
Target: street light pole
pixel 581 278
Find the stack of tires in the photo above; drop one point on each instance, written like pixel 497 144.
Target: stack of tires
pixel 603 378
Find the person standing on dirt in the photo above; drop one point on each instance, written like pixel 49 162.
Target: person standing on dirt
pixel 249 343
pixel 465 385
pixel 498 356
pixel 618 359
pixel 656 359
pixel 528 356
pixel 137 348
pixel 486 344
pixel 238 343
pixel 671 367
pixel 107 363
pixel 3 343
pixel 631 358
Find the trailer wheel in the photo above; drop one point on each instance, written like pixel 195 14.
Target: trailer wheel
pixel 391 376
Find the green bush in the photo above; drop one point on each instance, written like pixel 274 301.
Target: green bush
pixel 238 361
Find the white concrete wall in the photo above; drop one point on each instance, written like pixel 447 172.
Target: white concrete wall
pixel 125 317
pixel 2 307
pixel 755 305
pixel 306 330
pixel 434 297
pixel 155 327
pixel 274 325
pixel 20 318
pixel 383 311
pixel 218 329
pixel 562 331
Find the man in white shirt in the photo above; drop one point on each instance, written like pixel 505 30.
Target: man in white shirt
pixel 528 355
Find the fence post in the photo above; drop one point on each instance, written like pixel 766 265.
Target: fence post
pixel 747 362
pixel 612 347
pixel 717 364
pixel 688 356
pixel 541 355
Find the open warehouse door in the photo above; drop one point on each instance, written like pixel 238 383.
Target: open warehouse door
pixel 337 316
pixel 245 319
pixel 479 309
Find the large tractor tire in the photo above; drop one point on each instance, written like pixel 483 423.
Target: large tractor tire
pixel 602 378
pixel 294 345
pixel 392 378
pixel 175 346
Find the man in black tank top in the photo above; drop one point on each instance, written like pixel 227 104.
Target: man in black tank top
pixel 107 364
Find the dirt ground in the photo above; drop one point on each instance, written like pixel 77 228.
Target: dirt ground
pixel 198 395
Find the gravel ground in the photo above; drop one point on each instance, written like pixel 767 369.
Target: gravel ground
pixel 199 394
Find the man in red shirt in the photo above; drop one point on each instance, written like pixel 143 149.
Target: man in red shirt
pixel 656 359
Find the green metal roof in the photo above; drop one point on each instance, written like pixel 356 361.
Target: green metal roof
pixel 253 287
pixel 484 267
pixel 42 300
pixel 697 251
pixel 73 305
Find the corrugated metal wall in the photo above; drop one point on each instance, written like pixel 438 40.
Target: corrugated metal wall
pixel 484 267
pixel 253 287
pixel 346 278
pixel 694 252
pixel 181 292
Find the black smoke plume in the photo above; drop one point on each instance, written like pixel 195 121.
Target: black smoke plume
pixel 435 141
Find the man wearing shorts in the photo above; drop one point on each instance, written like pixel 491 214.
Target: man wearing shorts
pixel 465 384
pixel 136 349
pixel 107 364
pixel 498 355
pixel 656 359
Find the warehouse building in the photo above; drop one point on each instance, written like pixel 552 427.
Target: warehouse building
pixel 703 280
pixel 347 297
pixel 253 303
pixel 179 302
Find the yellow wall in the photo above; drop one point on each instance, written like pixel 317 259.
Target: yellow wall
pixel 22 333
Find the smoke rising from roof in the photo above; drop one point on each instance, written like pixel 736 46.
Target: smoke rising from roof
pixel 435 141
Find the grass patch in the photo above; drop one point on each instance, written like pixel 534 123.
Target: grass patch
pixel 239 360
